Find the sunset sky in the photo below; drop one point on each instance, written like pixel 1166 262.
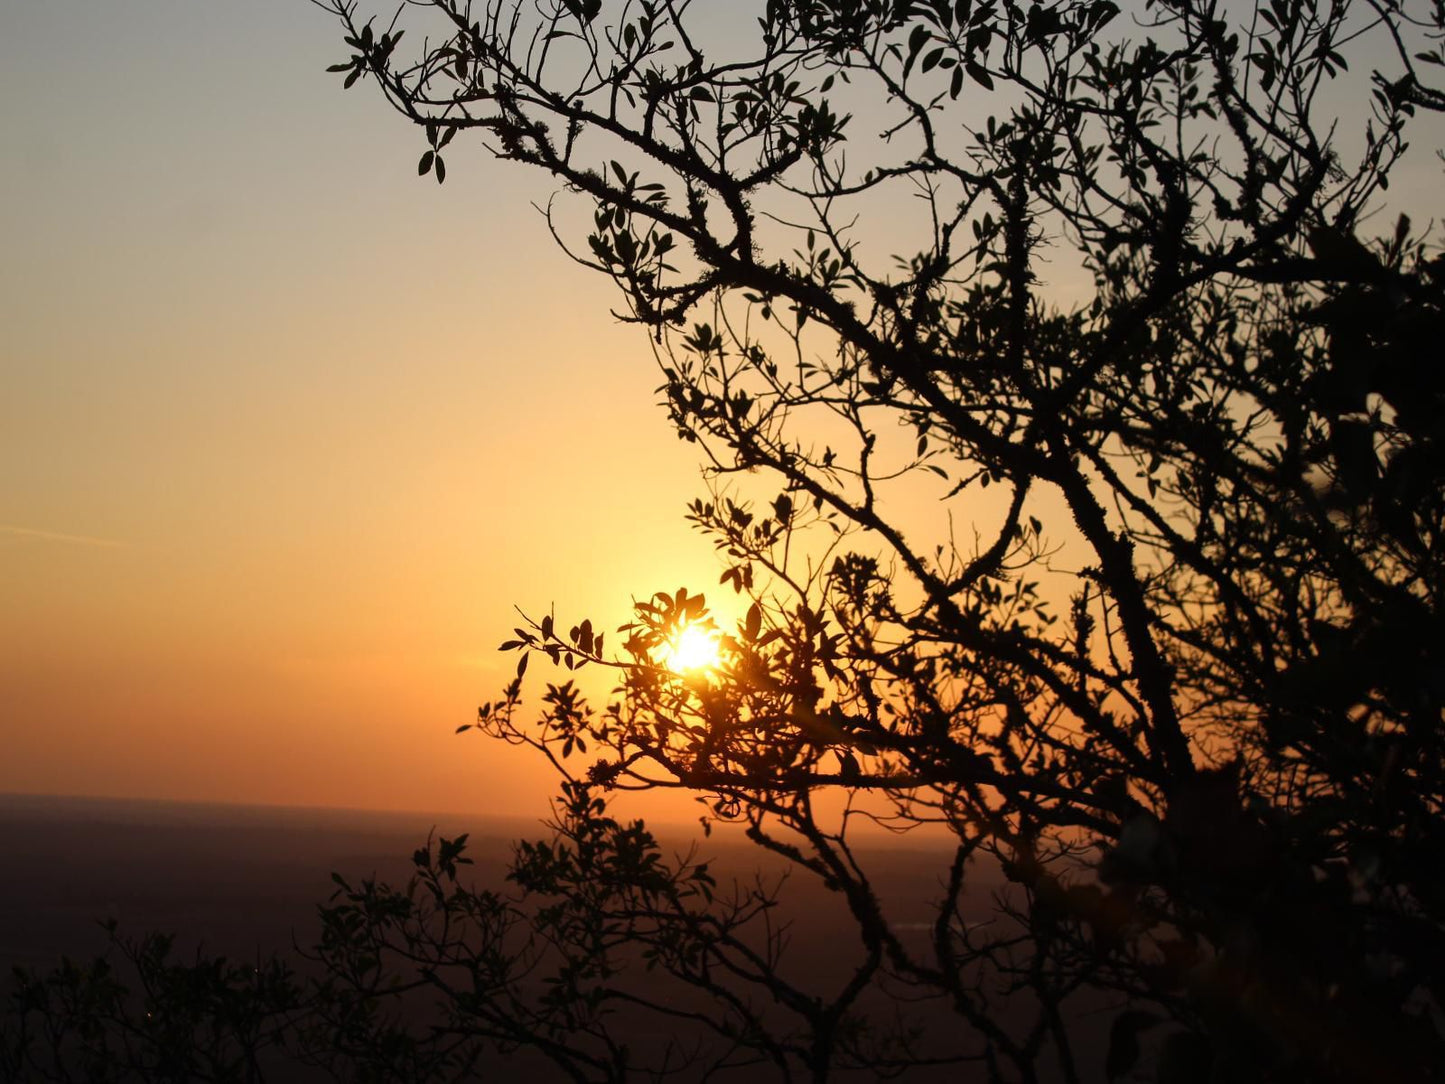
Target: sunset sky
pixel 285 431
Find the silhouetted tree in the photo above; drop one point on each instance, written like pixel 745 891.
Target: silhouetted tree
pixel 1079 454
pixel 1176 657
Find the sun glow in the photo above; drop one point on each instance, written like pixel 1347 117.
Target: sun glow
pixel 693 648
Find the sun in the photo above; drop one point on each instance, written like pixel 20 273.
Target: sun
pixel 693 648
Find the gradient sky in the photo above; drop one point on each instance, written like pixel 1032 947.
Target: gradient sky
pixel 285 431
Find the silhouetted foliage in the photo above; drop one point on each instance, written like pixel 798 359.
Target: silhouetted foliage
pixel 140 1014
pixel 1098 531
pixel 1184 679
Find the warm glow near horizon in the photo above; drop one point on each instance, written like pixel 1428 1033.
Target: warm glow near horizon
pixel 287 432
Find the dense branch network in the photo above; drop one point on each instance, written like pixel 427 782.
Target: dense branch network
pixel 1164 651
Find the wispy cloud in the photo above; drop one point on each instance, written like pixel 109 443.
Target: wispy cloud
pixel 57 536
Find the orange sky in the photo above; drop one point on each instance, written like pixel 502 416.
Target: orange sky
pixel 285 432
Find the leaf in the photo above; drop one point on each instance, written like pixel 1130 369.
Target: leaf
pixel 424 166
pixel 1102 12
pixel 916 40
pixel 1124 1041
pixel 441 170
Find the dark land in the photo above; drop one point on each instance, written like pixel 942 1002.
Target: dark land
pixel 246 881
pixel 237 879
